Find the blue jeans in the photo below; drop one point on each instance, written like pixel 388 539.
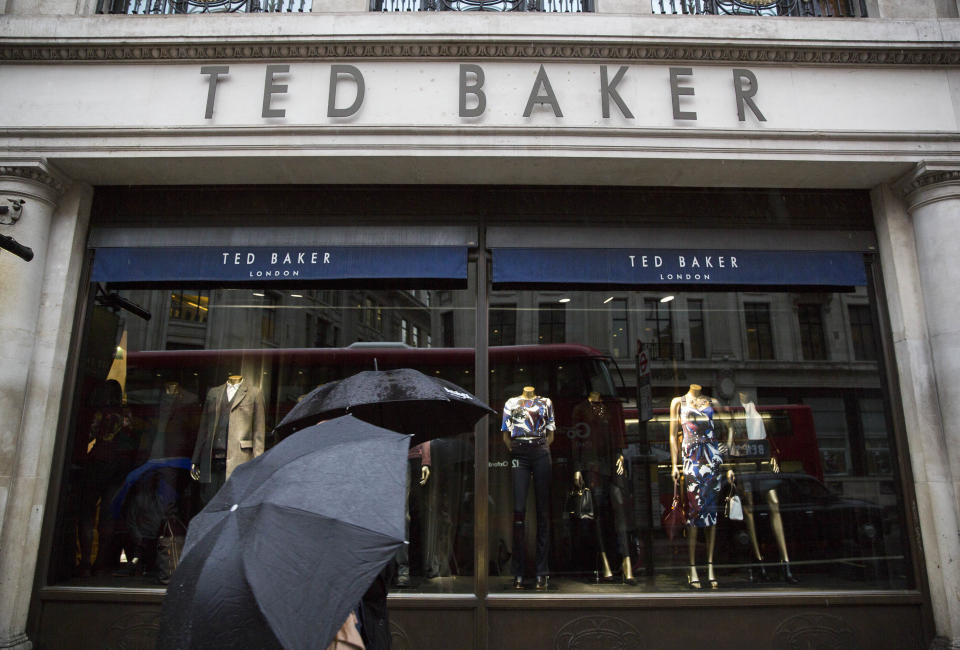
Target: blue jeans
pixel 527 461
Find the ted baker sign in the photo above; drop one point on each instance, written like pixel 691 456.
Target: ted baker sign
pixel 347 92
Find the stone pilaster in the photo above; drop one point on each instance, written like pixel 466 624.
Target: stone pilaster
pixel 34 336
pixel 915 221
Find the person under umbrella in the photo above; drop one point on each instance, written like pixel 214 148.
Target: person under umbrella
pixel 283 553
pixel 402 399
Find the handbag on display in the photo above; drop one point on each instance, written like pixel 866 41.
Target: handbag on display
pixel 734 508
pixel 169 547
pixel 580 504
pixel 673 520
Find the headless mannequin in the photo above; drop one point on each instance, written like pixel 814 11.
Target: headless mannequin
pixel 579 483
pixel 232 380
pixel 693 396
pixel 529 392
pixel 776 522
pixel 542 498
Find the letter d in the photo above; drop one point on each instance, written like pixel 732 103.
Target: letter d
pixel 336 71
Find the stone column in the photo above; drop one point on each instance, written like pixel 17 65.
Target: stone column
pixel 38 305
pixel 916 223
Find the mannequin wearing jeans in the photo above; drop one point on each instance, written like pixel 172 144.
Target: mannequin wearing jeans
pixel 528 427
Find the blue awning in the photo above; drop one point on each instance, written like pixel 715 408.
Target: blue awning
pixel 272 263
pixel 687 267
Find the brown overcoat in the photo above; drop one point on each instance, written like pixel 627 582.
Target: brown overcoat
pixel 247 428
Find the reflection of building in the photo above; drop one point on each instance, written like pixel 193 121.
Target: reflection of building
pixel 782 348
pixel 239 318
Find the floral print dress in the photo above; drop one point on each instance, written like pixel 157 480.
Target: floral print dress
pixel 701 462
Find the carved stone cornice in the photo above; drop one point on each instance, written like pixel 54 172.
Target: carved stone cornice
pixel 501 49
pixel 35 173
pixel 925 174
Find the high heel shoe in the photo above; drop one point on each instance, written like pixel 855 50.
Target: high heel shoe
pixel 758 574
pixel 693 584
pixel 787 574
pixel 712 580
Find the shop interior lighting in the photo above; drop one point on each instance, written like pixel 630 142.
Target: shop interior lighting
pixel 667 298
pixel 258 294
pixel 564 300
pixel 608 300
pixel 296 295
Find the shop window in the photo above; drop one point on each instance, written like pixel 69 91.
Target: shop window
pixel 503 324
pixel 140 415
pixel 190 305
pixel 698 336
pixel 756 317
pixel 812 340
pixel 619 329
pixel 861 333
pixel 552 326
pixel 812 501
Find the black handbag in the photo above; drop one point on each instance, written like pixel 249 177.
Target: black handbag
pixel 580 504
pixel 169 547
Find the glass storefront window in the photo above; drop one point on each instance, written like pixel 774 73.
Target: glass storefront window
pixel 805 447
pixel 144 395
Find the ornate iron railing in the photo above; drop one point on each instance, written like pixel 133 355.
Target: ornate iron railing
pixel 548 6
pixel 814 8
pixel 201 6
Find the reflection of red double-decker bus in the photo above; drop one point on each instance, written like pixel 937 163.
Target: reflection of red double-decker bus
pixel 566 373
pixel 790 436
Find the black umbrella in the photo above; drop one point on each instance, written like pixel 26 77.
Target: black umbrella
pixel 285 550
pixel 403 400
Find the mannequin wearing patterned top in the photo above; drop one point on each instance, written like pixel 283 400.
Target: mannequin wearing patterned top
pixel 691 416
pixel 528 426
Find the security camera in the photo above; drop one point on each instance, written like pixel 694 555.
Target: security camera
pixel 15 247
pixel 117 302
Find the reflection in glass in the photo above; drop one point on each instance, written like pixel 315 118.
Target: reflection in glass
pixel 804 447
pixel 171 406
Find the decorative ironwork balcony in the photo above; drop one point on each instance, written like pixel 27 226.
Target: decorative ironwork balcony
pixel 813 8
pixel 202 6
pixel 546 6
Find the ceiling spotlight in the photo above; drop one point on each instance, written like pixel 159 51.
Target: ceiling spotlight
pixel 666 298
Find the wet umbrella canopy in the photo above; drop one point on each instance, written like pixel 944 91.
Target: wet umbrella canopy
pixel 286 549
pixel 403 400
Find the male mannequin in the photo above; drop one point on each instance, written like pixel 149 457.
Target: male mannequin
pixel 232 431
pixel 528 427
pixel 691 416
pixel 598 458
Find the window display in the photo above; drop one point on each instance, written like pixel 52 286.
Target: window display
pixel 771 397
pixel 726 425
pixel 168 410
